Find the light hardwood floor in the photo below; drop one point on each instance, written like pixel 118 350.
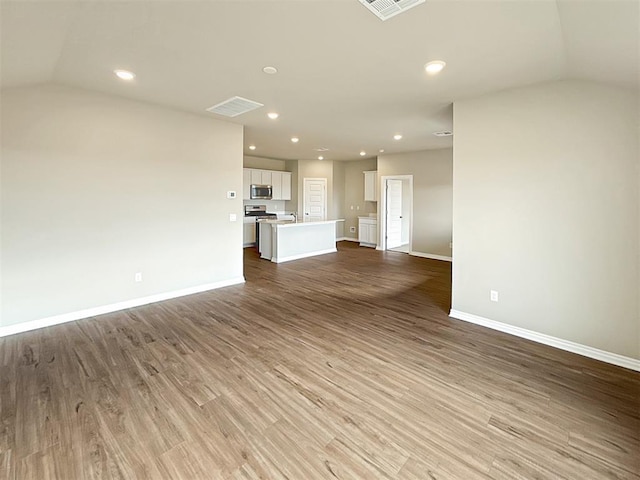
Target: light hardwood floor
pixel 344 366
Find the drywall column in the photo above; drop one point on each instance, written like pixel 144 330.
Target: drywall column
pixel 546 212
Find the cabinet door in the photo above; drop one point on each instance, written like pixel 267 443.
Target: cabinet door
pixel 276 183
pixel 363 232
pixel 286 186
pixel 256 177
pixel 249 236
pixel 266 177
pixel 370 186
pixel 246 184
pixel 373 233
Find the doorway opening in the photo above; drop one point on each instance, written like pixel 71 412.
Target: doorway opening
pixel 396 213
pixel 314 199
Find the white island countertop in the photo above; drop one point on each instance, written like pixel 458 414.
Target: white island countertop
pixel 297 223
pixel 285 240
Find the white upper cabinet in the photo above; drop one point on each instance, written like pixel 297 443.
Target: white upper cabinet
pixel 370 190
pixel 286 186
pixel 280 181
pixel 256 177
pixel 276 184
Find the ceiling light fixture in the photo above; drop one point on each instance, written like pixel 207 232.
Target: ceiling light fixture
pixel 434 67
pixel 381 150
pixel 252 147
pixel 397 136
pixel 270 70
pixel 272 115
pixel 124 74
pixel 363 153
pixel 320 157
pixel 295 139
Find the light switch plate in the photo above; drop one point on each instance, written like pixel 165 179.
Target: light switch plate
pixel 233 217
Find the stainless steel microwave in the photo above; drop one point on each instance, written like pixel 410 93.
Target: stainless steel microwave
pixel 261 192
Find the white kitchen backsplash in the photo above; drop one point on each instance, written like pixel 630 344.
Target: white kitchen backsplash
pixel 273 206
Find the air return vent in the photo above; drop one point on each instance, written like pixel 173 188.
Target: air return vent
pixel 443 133
pixel 385 9
pixel 234 106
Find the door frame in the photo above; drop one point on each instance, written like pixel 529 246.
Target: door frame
pixel 304 197
pixel 382 211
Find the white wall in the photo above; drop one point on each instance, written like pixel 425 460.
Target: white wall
pixel 96 188
pixel 337 210
pixel 432 196
pixel 546 212
pixel 315 169
pixel 264 163
pixel 354 204
pixel 292 205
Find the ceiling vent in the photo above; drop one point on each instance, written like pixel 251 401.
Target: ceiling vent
pixel 444 133
pixel 234 106
pixel 385 9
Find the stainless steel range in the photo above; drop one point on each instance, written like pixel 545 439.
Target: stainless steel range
pixel 258 212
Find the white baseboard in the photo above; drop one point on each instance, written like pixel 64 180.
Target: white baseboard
pixel 584 350
pixel 92 312
pixel 346 239
pixel 432 257
pixel 304 255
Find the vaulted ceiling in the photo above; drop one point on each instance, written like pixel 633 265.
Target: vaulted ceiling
pixel 346 80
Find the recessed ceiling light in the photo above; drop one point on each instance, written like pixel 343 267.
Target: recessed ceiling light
pixel 397 136
pixel 124 74
pixel 270 70
pixel 363 153
pixel 295 139
pixel 272 115
pixel 434 67
pixel 322 149
pixel 381 150
pixel 252 147
pixel 320 157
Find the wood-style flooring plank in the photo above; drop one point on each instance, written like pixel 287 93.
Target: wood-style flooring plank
pixel 344 366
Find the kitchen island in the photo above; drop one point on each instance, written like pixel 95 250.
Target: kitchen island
pixel 283 241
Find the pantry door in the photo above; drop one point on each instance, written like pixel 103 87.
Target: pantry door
pixel 315 199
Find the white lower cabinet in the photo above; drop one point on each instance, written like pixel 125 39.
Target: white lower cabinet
pixel 368 231
pixel 249 232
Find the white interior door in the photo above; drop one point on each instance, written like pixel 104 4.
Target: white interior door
pixel 394 213
pixel 315 199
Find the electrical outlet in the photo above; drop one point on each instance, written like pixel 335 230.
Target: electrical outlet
pixel 352 229
pixel 231 194
pixel 450 244
pixel 233 217
pixel 138 277
pixel 494 296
